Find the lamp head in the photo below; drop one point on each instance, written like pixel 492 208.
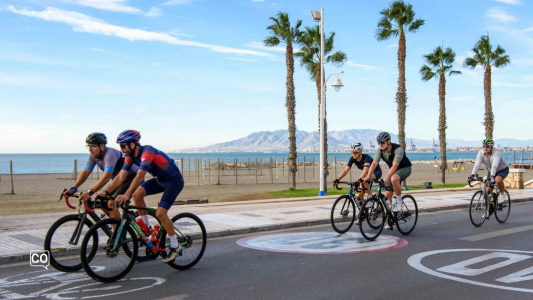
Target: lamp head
pixel 337 84
pixel 316 15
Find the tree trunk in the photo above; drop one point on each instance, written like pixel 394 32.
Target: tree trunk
pixel 442 126
pixel 317 80
pixel 291 114
pixel 401 93
pixel 489 116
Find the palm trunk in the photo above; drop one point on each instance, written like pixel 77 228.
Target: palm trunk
pixel 442 126
pixel 401 93
pixel 489 116
pixel 317 80
pixel 291 114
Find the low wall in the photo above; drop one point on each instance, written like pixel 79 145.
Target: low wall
pixel 515 179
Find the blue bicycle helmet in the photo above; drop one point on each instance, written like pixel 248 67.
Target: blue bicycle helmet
pixel 129 136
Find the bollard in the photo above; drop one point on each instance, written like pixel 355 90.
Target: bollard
pixel 298 166
pixel 313 168
pixel 189 169
pixel 248 166
pixel 11 175
pixel 198 170
pixel 209 170
pixel 335 167
pixel 256 170
pixel 283 166
pixel 304 168
pixel 271 172
pixel 236 182
pixel 522 160
pixel 261 168
pixel 218 171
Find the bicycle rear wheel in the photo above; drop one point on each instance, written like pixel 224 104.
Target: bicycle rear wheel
pixel 371 219
pixel 407 218
pixel 343 214
pixel 478 209
pixel 504 209
pixel 65 256
pixel 192 236
pixel 110 265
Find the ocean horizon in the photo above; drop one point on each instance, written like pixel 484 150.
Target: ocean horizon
pixel 45 163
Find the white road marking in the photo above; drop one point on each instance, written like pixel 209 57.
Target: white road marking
pixel 483 236
pixel 461 268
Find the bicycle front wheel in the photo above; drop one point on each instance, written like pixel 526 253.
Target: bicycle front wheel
pixel 371 218
pixel 343 214
pixel 191 234
pixel 478 209
pixel 110 263
pixel 63 243
pixel 407 218
pixel 503 209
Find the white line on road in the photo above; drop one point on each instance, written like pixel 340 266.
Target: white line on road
pixel 483 236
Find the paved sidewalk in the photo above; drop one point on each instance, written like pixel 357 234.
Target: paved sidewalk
pixel 21 234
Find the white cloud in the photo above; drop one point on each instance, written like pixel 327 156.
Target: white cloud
pixel 154 12
pixel 395 45
pixel 242 59
pixel 523 61
pixel 177 2
pixel 177 32
pixel 500 15
pixel 32 59
pixel 114 53
pixel 515 2
pixel 84 23
pixel 528 29
pixel 364 67
pixel 258 45
pixel 156 64
pixel 115 6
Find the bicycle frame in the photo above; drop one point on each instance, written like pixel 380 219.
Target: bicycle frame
pixel 74 239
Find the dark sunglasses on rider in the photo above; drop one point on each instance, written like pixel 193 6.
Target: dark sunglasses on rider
pixel 123 146
pixel 381 143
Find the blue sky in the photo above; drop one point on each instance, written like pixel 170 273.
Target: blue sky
pixel 191 73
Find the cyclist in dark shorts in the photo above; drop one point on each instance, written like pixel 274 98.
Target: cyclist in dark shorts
pixel 400 168
pixel 363 162
pixel 110 162
pixel 167 180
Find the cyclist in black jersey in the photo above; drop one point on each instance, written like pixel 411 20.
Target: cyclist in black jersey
pixel 363 162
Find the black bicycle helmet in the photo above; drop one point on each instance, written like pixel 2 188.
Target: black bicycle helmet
pixel 96 138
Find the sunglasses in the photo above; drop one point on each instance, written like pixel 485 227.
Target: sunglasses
pixel 381 143
pixel 123 146
pixel 353 152
pixel 92 146
pixel 485 146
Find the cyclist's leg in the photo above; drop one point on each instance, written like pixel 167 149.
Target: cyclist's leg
pixel 500 176
pixel 172 188
pixel 147 188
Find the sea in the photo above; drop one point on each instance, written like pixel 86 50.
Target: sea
pixel 64 162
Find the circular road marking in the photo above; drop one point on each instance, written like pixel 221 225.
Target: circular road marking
pixel 320 243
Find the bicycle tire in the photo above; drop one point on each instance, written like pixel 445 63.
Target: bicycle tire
pixel 342 216
pixel 371 211
pixel 193 228
pixel 63 256
pixel 504 210
pixel 407 218
pixel 478 209
pixel 94 266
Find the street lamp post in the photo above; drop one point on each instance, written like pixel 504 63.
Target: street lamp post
pixel 319 17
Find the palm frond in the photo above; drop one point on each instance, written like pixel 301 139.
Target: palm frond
pixel 454 73
pixel 471 63
pixel 416 25
pixel 337 59
pixel 427 73
pixel 502 61
pixel 271 41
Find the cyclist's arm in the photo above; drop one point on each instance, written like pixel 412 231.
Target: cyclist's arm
pixel 344 172
pixel 83 176
pixel 497 157
pixel 106 176
pixel 365 172
pixel 479 158
pixel 117 181
pixel 393 169
pixel 136 183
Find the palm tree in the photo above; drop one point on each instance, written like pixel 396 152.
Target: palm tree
pixel 282 31
pixel 440 62
pixel 309 56
pixel 485 57
pixel 395 20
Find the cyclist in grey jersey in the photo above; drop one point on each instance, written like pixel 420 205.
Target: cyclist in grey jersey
pixel 110 162
pixel 493 160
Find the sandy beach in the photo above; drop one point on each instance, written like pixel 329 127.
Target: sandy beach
pixel 39 193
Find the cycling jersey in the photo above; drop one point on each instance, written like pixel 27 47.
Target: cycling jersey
pixel 365 162
pixel 153 161
pixel 397 154
pixel 494 162
pixel 112 161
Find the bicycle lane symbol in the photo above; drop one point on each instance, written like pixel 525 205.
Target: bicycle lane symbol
pixel 58 285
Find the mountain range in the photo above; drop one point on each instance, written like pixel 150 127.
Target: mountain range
pixel 277 141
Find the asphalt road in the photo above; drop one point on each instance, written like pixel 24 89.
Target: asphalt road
pixel 445 257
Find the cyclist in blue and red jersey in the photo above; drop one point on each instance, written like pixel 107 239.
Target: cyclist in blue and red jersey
pixel 167 180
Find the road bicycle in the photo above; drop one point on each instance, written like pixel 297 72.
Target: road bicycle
pixel 118 253
pixel 483 203
pixel 374 213
pixel 343 212
pixel 64 236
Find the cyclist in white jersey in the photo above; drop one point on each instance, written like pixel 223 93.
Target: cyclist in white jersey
pixel 493 160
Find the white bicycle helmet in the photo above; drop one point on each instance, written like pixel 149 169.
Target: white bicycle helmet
pixel 383 136
pixel 357 147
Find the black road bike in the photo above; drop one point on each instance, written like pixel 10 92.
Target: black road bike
pixel 374 213
pixel 344 210
pixel 484 204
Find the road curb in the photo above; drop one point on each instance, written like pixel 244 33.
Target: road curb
pixel 26 257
